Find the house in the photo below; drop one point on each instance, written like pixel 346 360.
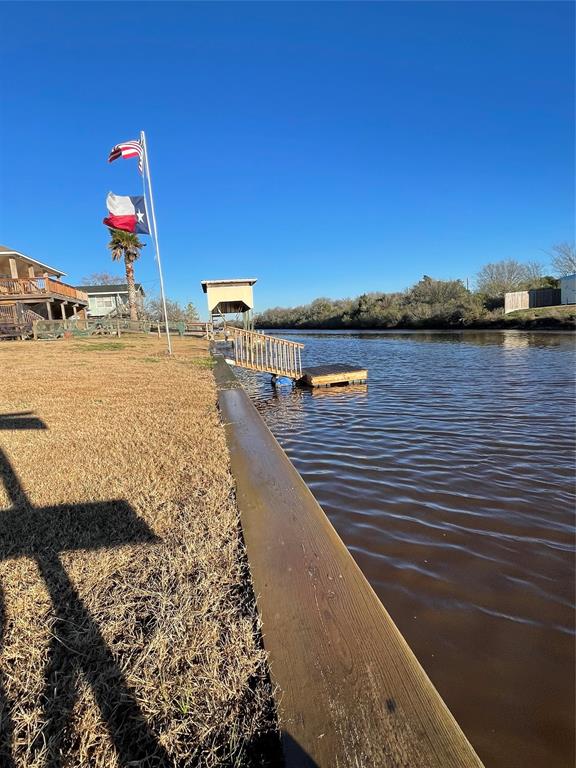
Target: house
pixel 568 289
pixel 111 300
pixel 31 290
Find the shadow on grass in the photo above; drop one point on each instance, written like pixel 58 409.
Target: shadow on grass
pixel 43 533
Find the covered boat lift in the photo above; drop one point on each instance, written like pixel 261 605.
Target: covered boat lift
pixel 230 297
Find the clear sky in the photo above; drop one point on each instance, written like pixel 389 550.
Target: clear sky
pixel 324 148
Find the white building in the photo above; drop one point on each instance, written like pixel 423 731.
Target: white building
pixel 568 289
pixel 230 297
pixel 104 300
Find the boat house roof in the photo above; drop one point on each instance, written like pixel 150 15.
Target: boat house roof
pixel 229 296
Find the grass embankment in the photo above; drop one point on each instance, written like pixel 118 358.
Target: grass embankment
pixel 128 631
pixel 561 316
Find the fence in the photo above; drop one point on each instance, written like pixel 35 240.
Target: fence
pixel 537 297
pixel 31 323
pixel 56 329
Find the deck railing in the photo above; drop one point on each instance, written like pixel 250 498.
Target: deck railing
pixel 268 354
pixel 10 286
pixel 62 289
pixel 41 286
pixel 199 328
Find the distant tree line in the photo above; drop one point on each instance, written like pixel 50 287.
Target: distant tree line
pixel 429 303
pixel 154 311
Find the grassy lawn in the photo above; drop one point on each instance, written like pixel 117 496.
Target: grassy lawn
pixel 560 312
pixel 128 632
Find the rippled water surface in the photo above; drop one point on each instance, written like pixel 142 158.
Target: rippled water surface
pixel 450 477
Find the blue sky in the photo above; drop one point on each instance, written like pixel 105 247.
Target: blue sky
pixel 324 148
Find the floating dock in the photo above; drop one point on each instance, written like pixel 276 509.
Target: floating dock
pixel 282 359
pixel 336 375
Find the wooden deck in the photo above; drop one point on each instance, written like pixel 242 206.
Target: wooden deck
pixel 37 289
pixel 338 374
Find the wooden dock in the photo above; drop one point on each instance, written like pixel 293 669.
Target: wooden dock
pixel 282 358
pixel 335 375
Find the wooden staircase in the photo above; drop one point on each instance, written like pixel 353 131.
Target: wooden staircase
pixel 267 354
pixel 9 313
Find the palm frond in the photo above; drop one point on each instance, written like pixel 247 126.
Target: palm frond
pixel 124 245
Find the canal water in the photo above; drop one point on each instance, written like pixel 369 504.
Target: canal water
pixel 450 477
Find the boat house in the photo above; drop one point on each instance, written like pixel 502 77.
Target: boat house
pixel 230 297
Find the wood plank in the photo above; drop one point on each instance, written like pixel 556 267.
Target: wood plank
pixel 350 692
pixel 336 373
pixel 349 377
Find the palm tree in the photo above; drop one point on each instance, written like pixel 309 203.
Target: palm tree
pixel 127 246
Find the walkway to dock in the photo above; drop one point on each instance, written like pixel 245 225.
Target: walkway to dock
pixel 267 354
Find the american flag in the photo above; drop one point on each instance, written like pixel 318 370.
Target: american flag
pixel 127 149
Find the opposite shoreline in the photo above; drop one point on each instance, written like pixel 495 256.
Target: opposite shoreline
pixel 561 325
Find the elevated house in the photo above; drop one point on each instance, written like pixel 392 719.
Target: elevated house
pixel 31 290
pixel 111 300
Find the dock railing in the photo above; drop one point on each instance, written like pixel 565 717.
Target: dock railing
pixel 268 354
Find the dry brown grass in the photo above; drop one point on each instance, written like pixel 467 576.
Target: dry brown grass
pixel 129 632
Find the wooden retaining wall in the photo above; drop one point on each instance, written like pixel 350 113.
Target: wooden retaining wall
pixel 350 692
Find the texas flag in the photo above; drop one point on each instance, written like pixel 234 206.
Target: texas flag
pixel 127 213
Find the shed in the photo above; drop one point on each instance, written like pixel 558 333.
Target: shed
pixel 568 289
pixel 230 297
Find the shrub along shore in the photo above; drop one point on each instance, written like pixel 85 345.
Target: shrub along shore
pixel 553 319
pixel 128 627
pixel 429 304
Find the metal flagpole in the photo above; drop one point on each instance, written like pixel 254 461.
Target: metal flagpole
pixel 155 237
